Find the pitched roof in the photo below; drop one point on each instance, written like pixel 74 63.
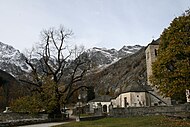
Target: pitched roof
pixel 138 88
pixel 104 98
pixel 154 42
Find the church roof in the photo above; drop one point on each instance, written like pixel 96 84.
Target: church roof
pixel 154 42
pixel 104 98
pixel 138 88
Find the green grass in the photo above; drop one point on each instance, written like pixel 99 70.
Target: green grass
pixel 146 121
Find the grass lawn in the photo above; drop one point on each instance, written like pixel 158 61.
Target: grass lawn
pixel 145 121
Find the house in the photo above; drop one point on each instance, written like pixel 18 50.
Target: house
pixel 103 101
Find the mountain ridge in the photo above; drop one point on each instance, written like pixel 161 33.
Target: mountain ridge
pixel 114 69
pixel 115 78
pixel 13 61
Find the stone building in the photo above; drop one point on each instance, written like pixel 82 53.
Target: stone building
pixel 151 55
pixel 134 96
pixel 137 95
pixel 104 101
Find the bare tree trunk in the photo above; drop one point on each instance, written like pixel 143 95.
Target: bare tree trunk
pixel 52 67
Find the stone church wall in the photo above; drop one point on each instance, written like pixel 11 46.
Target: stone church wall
pixel 141 111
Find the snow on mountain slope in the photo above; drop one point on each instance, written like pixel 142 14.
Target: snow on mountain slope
pixel 104 57
pixel 128 50
pixel 11 60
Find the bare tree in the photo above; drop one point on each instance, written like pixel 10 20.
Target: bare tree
pixel 53 55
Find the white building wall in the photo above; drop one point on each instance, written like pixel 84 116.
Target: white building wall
pixel 118 101
pixel 94 105
pixel 188 95
pixel 127 96
pixel 114 103
pixel 107 104
pixel 134 99
pixel 139 99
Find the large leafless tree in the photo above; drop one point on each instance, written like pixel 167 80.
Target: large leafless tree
pixel 52 65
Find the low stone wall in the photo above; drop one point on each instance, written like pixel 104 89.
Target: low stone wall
pixel 12 119
pixel 22 122
pixel 139 111
pixel 92 118
pixel 18 116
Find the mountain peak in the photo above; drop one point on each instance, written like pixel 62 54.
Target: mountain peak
pixel 100 57
pixel 7 49
pixel 103 56
pixel 11 60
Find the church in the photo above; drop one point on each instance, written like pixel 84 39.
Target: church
pixel 143 95
pixel 137 95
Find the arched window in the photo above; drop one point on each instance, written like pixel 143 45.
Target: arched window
pixel 125 102
pixel 104 108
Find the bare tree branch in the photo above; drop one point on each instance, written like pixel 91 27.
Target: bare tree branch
pixel 53 63
pixel 74 90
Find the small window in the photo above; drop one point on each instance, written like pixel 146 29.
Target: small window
pixel 155 52
pixel 104 108
pixel 125 102
pixel 137 95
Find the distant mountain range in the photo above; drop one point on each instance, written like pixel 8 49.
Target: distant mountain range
pixel 115 78
pixel 103 56
pixel 114 69
pixel 13 61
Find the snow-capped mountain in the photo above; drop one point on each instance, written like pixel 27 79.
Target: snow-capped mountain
pixel 121 66
pixel 128 50
pixel 117 76
pixel 11 60
pixel 103 56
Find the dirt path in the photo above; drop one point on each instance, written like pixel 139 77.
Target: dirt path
pixel 45 124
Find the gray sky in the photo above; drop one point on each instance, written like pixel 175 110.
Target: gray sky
pixel 101 23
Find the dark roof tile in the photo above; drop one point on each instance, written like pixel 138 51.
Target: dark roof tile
pixel 138 88
pixel 104 98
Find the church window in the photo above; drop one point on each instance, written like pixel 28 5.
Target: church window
pixel 125 102
pixel 105 108
pixel 155 52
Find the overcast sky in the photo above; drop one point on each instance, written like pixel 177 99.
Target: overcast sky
pixel 100 23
